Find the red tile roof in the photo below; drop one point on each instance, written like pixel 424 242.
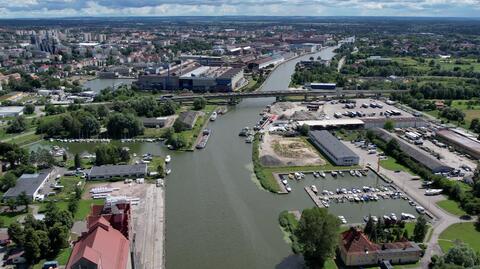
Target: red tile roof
pixel 356 241
pixel 102 245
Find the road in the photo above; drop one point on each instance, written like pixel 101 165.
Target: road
pixel 149 226
pixel 413 188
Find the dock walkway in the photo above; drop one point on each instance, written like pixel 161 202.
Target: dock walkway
pixel 314 197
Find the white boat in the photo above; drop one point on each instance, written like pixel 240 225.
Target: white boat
pixel 168 159
pixel 168 171
pixel 393 217
pixel 334 174
pixel 352 173
pixel 358 174
pixel 314 189
pixel 322 174
pixel 288 189
pixel 315 174
pixel 213 117
pixel 285 182
pixel 340 173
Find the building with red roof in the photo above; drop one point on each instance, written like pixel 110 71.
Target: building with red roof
pixel 102 247
pixel 106 244
pixel 357 250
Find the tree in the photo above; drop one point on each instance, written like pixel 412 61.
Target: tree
pixel 58 235
pixel 161 170
pixel 32 246
pixel 304 129
pixel 17 125
pixel 64 156
pixel 73 206
pixel 199 103
pixel 123 126
pixel 12 204
pixel 8 180
pixel 369 229
pixel 420 229
pixel 24 200
pixel 317 233
pixel 389 125
pixel 462 255
pixel 29 109
pixel 16 234
pixel 77 161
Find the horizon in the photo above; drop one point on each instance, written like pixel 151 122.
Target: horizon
pixel 65 9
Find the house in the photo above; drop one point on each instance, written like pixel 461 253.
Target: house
pixel 188 118
pixel 356 249
pixel 439 104
pixel 31 184
pixel 101 247
pixel 120 171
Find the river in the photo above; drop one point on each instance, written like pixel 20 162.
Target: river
pixel 217 216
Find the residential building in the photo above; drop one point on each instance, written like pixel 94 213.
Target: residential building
pixel 120 171
pixel 154 122
pixel 356 249
pixel 335 150
pixel 188 118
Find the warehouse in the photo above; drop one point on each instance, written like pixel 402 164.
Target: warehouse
pixel 120 171
pixel 460 142
pixel 335 150
pixel 415 153
pixel 30 184
pixel 11 111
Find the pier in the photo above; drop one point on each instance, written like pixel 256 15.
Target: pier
pixel 314 197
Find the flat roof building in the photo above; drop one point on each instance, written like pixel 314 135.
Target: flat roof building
pixel 335 150
pixel 31 184
pixel 415 153
pixel 112 171
pixel 460 142
pixel 11 111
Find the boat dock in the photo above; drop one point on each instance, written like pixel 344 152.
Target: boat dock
pixel 283 190
pixel 314 197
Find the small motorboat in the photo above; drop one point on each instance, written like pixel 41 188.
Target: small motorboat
pixel 322 174
pixel 168 171
pixel 334 174
pixel 168 158
pixel 314 189
pixel 213 117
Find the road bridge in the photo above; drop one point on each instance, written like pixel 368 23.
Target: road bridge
pixel 234 97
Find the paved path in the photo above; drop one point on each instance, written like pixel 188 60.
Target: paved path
pixel 413 188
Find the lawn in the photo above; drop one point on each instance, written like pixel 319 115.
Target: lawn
pixel 154 132
pixel 393 165
pixel 191 135
pixel 464 232
pixel 69 183
pixel 62 258
pixel 451 207
pixel 6 218
pixel 82 211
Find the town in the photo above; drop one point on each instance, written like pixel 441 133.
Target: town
pixel 239 142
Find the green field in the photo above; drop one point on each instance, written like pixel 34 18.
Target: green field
pixel 460 232
pixel 463 64
pixel 393 165
pixel 451 207
pixel 82 211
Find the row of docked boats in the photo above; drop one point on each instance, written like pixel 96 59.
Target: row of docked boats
pixel 249 133
pixel 358 173
pixel 81 140
pixel 287 186
pixel 392 217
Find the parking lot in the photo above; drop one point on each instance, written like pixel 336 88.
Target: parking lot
pixel 368 108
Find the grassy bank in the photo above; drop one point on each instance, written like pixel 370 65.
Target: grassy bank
pixel 460 232
pixel 82 211
pixel 190 136
pixel 451 207
pixel 263 175
pixel 288 222
pixel 392 165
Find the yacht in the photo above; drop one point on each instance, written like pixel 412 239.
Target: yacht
pixel 352 173
pixel 314 189
pixel 358 174
pixel 213 117
pixel 315 174
pixel 168 158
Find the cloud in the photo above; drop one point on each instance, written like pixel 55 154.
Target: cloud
pixel 68 8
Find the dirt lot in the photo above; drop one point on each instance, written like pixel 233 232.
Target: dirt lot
pixel 280 151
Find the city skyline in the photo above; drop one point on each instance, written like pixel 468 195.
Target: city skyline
pixel 102 8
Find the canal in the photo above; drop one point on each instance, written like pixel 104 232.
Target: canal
pixel 217 216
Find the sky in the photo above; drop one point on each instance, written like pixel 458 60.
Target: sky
pixel 101 8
